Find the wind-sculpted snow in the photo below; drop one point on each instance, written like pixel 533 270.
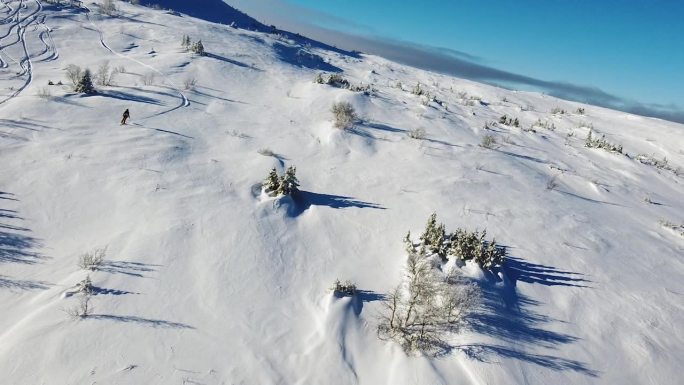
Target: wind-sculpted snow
pixel 209 280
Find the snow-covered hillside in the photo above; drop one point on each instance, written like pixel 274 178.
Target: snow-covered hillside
pixel 207 281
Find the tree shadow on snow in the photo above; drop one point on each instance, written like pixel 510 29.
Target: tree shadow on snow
pixel 16 245
pixel 305 199
pixel 231 61
pixel 134 269
pixel 510 316
pixel 19 284
pixel 155 323
pixel 301 57
pixel 363 296
pixel 129 97
pixel 105 291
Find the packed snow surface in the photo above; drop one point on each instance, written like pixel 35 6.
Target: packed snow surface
pixel 208 281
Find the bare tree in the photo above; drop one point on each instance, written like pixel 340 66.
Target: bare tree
pixel 421 313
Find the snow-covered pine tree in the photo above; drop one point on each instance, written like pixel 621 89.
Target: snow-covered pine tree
pixel 85 84
pixel 288 182
pixel 198 48
pixel 429 229
pixel 272 182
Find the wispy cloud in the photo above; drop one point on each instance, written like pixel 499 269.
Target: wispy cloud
pixel 461 64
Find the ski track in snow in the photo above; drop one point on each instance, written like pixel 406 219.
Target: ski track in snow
pixel 184 102
pixel 25 63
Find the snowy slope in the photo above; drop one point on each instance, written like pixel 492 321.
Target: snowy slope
pixel 208 282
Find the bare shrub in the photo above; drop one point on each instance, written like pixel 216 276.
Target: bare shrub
pixel 74 73
pixel 149 78
pixel 83 309
pixel 344 115
pixel 92 260
pixel 44 93
pixel 488 141
pixel 417 133
pixel 105 75
pixel 108 7
pixel 189 83
pixel 421 312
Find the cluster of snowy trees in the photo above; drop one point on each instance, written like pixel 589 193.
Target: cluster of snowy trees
pixel 81 80
pixel 286 184
pixel 462 244
pixel 338 81
pixel 194 47
pixel 508 121
pixel 595 142
pixel 434 300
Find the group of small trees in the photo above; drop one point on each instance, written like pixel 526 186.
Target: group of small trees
pixel 509 121
pixel 196 47
pixel 462 244
pixel 338 81
pixel 663 164
pixel 286 184
pixel 81 80
pixel 543 124
pixel 595 142
pixel 431 302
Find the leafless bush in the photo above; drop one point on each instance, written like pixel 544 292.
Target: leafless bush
pixel 189 83
pixel 344 115
pixel 421 313
pixel 488 141
pixel 149 78
pixel 83 309
pixel 44 93
pixel 108 7
pixel 105 75
pixel 92 260
pixel 417 133
pixel 74 73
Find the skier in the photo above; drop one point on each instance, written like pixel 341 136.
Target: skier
pixel 125 117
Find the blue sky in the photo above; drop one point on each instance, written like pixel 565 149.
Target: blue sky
pixel 631 50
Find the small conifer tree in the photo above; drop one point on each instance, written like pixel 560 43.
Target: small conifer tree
pixel 85 84
pixel 272 182
pixel 288 182
pixel 198 48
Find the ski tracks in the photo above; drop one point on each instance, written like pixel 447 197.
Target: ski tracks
pixel 184 102
pixel 21 24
